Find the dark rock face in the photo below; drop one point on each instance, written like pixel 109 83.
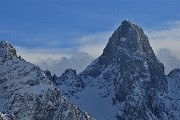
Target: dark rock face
pixel 49 76
pixel 129 53
pixel 70 82
pixel 174 86
pixel 7 51
pixel 27 93
pixel 129 74
pixel 138 73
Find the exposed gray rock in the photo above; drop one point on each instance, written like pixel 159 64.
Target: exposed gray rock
pixel 7 51
pixel 70 83
pixel 128 78
pixel 50 77
pixel 27 93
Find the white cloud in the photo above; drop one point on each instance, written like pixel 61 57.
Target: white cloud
pixel 36 54
pixel 56 60
pixel 169 59
pixel 168 37
pixel 165 42
pixel 91 46
pixel 94 44
pixel 94 50
pixel 96 38
pixel 78 61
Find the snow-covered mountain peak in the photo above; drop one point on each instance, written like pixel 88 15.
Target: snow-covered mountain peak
pixel 130 39
pixel 7 51
pixel 126 82
pixel 26 93
pixel 127 23
pixel 127 46
pixel 68 75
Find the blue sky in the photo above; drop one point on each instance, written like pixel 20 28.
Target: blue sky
pixel 23 22
pixel 58 26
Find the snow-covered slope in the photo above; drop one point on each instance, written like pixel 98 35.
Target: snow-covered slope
pixel 127 82
pixel 174 85
pixel 28 94
pixel 7 117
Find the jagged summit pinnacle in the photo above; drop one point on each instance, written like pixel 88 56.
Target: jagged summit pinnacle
pixel 127 28
pixel 7 51
pixel 127 22
pixel 130 39
pixel 128 49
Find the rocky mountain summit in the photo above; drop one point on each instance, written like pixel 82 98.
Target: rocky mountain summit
pixel 7 51
pixel 27 94
pixel 127 82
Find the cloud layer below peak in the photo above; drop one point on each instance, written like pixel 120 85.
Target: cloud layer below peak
pixel 165 43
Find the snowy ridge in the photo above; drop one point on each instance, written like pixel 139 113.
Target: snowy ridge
pixel 28 94
pixel 126 82
pixel 70 83
pixel 7 117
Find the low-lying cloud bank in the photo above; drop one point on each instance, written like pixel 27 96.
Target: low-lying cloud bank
pixel 165 43
pixel 56 60
pixel 78 62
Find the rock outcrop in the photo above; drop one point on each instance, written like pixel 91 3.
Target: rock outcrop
pixel 127 82
pixel 27 93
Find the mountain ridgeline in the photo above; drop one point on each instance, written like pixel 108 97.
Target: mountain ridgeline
pixel 27 94
pixel 126 82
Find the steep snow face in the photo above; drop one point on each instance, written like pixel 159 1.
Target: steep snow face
pixel 126 81
pixel 28 94
pixel 174 85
